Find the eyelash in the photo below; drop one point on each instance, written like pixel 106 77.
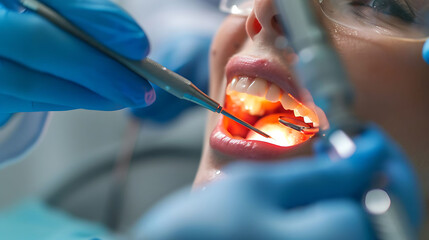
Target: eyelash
pixel 396 8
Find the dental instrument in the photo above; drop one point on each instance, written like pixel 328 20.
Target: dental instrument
pixel 150 70
pixel 298 125
pixel 320 70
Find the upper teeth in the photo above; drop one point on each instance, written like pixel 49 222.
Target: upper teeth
pixel 271 92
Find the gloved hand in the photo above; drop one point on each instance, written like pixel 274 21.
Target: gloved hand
pixel 186 54
pixel 303 199
pixel 426 51
pixel 43 68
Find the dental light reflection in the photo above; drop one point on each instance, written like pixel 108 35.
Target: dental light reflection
pixel 281 135
pixel 254 105
pixel 377 201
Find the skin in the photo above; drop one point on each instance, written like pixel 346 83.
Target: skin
pixel 389 76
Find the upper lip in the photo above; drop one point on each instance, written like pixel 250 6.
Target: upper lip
pixel 271 71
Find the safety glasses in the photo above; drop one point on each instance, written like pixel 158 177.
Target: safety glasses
pixel 405 19
pixel 236 7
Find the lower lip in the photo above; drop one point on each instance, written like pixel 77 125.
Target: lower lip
pixel 223 142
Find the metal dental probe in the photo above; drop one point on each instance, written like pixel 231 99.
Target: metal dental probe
pixel 321 72
pixel 150 70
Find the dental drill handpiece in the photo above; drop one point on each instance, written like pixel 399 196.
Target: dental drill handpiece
pixel 320 70
pixel 150 70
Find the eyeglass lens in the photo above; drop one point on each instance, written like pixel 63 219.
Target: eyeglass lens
pixel 407 19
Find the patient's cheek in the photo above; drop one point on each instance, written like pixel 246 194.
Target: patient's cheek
pixel 229 39
pixel 387 75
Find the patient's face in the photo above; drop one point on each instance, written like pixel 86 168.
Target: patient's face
pixel 253 79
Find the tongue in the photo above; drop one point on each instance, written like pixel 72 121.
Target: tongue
pixel 249 109
pixel 236 129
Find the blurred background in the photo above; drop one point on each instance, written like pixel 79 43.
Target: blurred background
pixel 71 167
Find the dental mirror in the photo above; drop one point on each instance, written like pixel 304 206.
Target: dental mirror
pixel 298 125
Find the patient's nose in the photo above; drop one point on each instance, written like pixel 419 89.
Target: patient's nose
pixel 263 20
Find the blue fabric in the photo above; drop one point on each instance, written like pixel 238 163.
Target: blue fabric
pixel 4 118
pixel 188 55
pixel 44 68
pixel 310 198
pixel 26 133
pixel 34 220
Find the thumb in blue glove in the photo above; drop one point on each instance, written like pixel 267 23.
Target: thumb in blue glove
pixel 55 71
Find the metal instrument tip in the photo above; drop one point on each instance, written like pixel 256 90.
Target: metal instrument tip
pixel 298 125
pixel 229 115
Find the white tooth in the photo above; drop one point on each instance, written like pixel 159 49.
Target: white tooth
pixel 307 120
pixel 288 102
pixel 313 117
pixel 308 114
pixel 228 89
pixel 296 112
pixel 243 84
pixel 234 83
pixel 273 93
pixel 258 87
pixel 303 111
pixel 231 86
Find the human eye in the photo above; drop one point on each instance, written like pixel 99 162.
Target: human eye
pixel 405 19
pixel 400 9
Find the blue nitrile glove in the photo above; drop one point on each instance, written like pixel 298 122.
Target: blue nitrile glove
pixel 302 199
pixel 34 220
pixel 426 51
pixel 188 55
pixel 43 68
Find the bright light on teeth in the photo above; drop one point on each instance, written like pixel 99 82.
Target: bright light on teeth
pixel 280 135
pixel 249 103
pixel 256 93
pixel 262 103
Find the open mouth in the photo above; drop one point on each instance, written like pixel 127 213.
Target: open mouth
pixel 260 102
